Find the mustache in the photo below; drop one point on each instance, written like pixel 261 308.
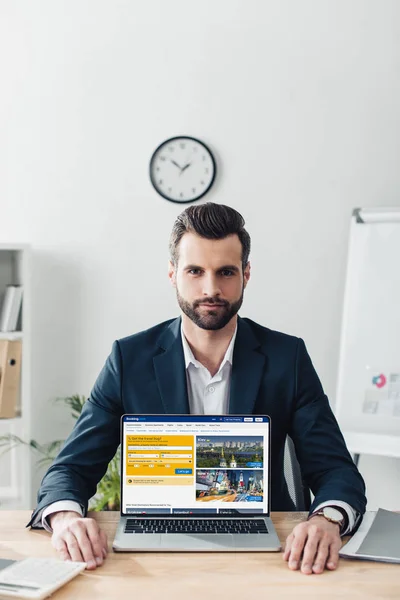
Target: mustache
pixel 216 301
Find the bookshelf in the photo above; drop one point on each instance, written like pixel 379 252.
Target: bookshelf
pixel 16 464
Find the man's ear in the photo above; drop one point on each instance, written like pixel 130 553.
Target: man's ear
pixel 246 274
pixel 172 273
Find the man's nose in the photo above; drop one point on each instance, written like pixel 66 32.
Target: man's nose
pixel 211 286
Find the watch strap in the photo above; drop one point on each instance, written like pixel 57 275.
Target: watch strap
pixel 345 523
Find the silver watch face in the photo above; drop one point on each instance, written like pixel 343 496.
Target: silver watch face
pixel 333 514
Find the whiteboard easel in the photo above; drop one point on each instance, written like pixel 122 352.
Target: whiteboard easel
pixel 368 387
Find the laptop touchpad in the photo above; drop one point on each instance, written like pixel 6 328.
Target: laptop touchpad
pixel 197 541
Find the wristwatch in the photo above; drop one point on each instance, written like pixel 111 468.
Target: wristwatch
pixel 333 515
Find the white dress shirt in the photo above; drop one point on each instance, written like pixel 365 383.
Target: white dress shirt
pixel 207 395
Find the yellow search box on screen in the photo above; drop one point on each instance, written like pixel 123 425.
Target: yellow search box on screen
pixel 137 455
pixel 159 448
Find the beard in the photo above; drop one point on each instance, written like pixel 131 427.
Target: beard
pixel 208 318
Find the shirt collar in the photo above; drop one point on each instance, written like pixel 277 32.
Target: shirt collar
pixel 190 359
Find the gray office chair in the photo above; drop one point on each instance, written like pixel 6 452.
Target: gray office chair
pixel 299 493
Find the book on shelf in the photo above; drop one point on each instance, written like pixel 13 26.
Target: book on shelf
pixel 11 308
pixel 10 376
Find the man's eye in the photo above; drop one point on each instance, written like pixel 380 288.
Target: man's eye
pixel 227 273
pixel 194 271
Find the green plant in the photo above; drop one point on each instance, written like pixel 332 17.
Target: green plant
pixel 107 495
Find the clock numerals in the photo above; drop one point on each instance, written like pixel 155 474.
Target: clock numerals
pixel 182 145
pixel 171 148
pixel 163 158
pixel 181 195
pixel 169 190
pixel 206 170
pixel 202 182
pixel 204 157
pixel 160 181
pixel 193 190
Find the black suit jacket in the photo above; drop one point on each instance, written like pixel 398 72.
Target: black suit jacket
pixel 272 374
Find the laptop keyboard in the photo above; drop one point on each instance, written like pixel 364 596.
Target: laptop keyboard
pixel 195 526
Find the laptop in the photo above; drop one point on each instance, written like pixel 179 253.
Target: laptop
pixel 193 483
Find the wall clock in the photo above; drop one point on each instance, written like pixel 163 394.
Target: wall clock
pixel 182 169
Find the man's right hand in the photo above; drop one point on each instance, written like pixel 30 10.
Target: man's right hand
pixel 78 538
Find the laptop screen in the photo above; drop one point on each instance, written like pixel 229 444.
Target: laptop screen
pixel 195 464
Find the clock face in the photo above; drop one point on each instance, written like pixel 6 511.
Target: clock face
pixel 182 169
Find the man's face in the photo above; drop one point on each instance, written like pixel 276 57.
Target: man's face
pixel 209 279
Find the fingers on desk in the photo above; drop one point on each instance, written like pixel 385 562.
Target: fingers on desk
pixel 82 540
pixel 311 549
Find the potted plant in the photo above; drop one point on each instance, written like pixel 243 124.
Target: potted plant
pixel 108 495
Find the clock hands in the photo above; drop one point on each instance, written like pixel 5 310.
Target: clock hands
pixel 185 167
pixel 181 169
pixel 176 164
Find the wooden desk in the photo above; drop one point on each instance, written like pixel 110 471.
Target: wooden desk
pixel 211 576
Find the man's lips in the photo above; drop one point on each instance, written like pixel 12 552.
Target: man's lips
pixel 210 305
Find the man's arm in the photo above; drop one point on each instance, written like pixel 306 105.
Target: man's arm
pixel 83 460
pixel 81 463
pixel 327 469
pixel 42 518
pixel 351 516
pixel 326 465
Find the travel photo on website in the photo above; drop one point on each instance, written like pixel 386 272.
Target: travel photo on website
pixel 227 469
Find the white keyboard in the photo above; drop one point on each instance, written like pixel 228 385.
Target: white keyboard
pixel 37 577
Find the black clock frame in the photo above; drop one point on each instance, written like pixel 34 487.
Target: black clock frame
pixel 182 137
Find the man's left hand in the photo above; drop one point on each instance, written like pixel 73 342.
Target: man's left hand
pixel 313 545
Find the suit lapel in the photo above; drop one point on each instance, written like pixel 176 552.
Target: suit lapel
pixel 170 370
pixel 247 370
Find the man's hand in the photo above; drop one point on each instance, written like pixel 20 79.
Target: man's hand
pixel 312 545
pixel 78 538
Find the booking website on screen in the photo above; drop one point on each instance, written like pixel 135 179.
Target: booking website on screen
pixel 195 464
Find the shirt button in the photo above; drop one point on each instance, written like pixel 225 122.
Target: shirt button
pixel 211 389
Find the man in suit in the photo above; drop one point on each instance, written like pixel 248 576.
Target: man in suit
pixel 209 361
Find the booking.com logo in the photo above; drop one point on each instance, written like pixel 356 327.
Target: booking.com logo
pixel 379 380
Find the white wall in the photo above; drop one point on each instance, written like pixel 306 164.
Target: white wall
pixel 299 101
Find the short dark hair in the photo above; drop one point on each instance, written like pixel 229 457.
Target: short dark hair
pixel 211 221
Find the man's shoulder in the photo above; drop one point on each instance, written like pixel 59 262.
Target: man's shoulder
pixel 146 336
pixel 270 337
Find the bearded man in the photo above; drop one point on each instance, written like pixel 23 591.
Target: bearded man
pixel 209 361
